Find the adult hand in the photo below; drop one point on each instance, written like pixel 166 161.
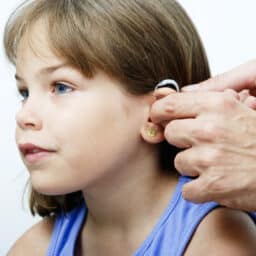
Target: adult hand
pixel 218 133
pixel 240 78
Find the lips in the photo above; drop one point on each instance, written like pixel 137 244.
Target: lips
pixel 29 148
pixel 34 154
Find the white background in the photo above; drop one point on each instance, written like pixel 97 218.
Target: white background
pixel 227 29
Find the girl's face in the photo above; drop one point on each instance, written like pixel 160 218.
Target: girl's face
pixel 91 125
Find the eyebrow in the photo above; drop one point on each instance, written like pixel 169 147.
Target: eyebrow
pixel 46 70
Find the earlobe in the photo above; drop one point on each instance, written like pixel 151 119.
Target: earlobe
pixel 152 133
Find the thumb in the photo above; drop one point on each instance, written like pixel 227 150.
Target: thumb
pixel 239 78
pixel 196 191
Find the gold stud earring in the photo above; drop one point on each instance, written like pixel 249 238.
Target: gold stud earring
pixel 151 132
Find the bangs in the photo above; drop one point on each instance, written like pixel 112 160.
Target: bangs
pixel 76 39
pixel 73 39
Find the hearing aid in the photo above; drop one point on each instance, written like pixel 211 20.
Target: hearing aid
pixel 168 83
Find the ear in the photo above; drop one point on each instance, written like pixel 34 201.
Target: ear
pixel 152 133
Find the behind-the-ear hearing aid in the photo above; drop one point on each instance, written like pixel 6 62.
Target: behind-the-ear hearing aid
pixel 168 83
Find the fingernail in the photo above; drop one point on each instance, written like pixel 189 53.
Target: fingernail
pixel 189 88
pixel 164 90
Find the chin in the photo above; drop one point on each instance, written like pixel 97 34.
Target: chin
pixel 49 187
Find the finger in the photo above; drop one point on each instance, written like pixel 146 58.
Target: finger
pixel 189 105
pixel 173 106
pixel 197 160
pixel 197 191
pixel 243 95
pixel 183 163
pixel 176 105
pixel 182 133
pixel 250 102
pixel 162 92
pixel 239 78
pixel 232 93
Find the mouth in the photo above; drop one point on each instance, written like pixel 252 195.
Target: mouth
pixel 33 153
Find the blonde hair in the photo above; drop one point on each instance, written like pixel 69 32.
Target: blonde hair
pixel 139 42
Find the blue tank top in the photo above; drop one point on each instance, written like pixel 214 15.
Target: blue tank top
pixel 170 236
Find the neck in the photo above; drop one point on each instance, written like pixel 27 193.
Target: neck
pixel 130 197
pixel 124 208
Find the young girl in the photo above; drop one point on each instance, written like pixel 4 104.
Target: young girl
pixel 101 174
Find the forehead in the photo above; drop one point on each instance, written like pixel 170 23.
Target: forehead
pixel 34 45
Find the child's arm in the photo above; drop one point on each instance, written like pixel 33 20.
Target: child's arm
pixel 224 232
pixel 34 241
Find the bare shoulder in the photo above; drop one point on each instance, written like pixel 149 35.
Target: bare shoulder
pixel 34 241
pixel 224 232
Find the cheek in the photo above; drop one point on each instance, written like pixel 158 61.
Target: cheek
pixel 96 138
pixel 93 143
pixel 91 136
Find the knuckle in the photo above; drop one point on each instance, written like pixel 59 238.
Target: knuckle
pixel 209 158
pixel 179 161
pixel 213 184
pixel 169 106
pixel 216 81
pixel 213 130
pixel 185 165
pixel 230 98
pixel 203 162
pixel 169 131
pixel 226 101
pixel 208 132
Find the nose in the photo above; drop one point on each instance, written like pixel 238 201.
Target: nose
pixel 28 117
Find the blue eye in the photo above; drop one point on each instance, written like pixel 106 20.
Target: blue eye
pixel 62 88
pixel 24 93
pixel 58 88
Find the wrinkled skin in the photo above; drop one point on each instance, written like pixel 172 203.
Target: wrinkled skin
pixel 215 123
